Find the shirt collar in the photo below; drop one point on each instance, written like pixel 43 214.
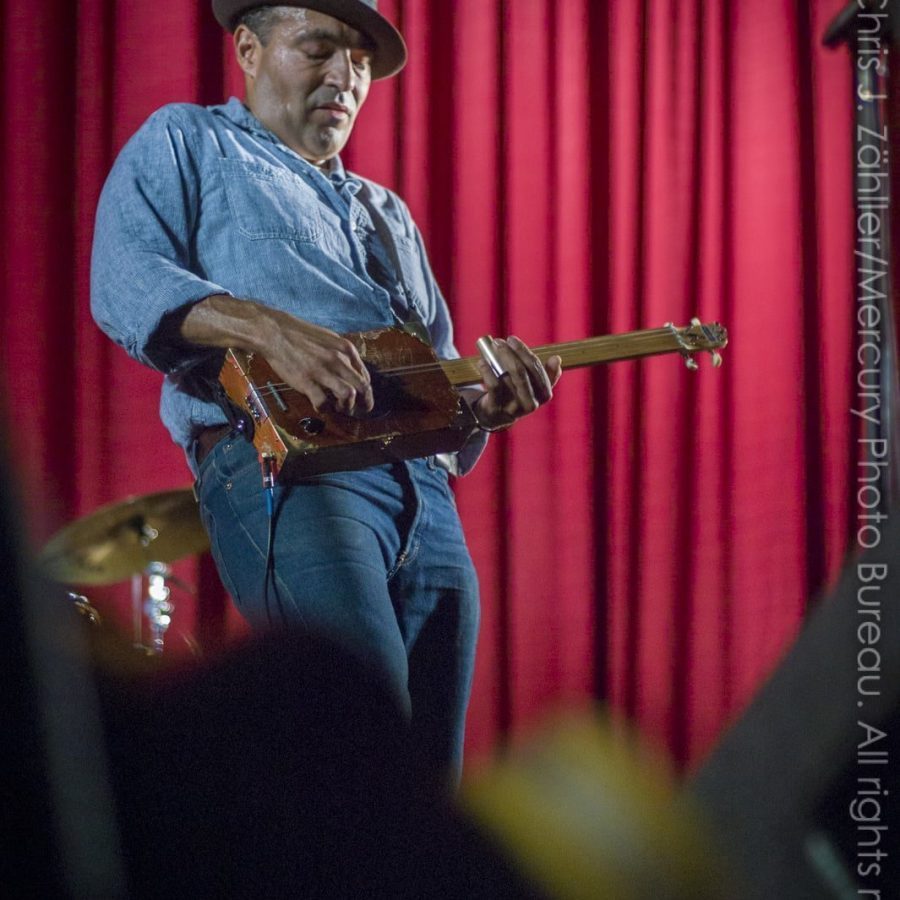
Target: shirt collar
pixel 235 110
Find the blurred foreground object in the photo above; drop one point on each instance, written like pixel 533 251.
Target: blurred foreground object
pixel 584 816
pixel 59 827
pixel 804 789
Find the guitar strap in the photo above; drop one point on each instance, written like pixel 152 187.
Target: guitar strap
pixel 412 319
pixel 381 252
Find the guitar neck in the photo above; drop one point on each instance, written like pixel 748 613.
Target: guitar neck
pixel 589 352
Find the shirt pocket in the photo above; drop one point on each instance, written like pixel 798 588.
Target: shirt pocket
pixel 267 202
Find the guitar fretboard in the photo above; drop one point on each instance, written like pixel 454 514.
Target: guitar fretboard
pixel 575 354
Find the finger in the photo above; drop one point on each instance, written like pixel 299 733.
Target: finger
pixel 518 380
pixel 306 382
pixel 366 399
pixel 343 402
pixel 488 378
pixel 540 380
pixel 501 390
pixel 526 396
pixel 343 395
pixel 554 369
pixel 317 397
pixel 339 374
pixel 354 360
pixel 497 396
pixel 344 365
pixel 347 371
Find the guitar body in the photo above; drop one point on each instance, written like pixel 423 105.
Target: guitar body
pixel 416 414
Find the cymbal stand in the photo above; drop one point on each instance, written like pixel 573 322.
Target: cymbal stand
pixel 157 607
pixel 137 611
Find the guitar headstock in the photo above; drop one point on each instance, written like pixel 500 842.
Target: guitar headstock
pixel 697 337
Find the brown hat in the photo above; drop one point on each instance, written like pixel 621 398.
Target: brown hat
pixel 363 15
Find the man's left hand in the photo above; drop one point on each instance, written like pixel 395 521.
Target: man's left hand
pixel 525 384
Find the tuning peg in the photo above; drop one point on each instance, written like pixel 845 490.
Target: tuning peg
pixel 690 362
pixel 716 358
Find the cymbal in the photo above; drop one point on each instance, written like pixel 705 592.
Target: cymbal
pixel 123 538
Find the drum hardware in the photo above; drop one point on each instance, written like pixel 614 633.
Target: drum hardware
pixel 157 607
pixel 136 538
pixel 84 607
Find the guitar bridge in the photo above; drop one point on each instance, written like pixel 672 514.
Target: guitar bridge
pixel 255 406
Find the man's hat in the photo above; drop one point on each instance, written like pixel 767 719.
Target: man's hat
pixel 363 15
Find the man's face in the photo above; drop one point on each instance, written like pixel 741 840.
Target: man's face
pixel 308 82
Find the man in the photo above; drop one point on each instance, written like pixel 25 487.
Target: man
pixel 238 226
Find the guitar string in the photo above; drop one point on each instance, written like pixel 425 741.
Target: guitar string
pixel 427 368
pixel 423 368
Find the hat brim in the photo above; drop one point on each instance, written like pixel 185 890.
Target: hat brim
pixel 390 50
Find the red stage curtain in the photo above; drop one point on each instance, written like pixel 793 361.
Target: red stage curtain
pixel 654 536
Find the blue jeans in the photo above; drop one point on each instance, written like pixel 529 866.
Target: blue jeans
pixel 375 558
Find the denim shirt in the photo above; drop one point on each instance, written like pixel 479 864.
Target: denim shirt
pixel 205 201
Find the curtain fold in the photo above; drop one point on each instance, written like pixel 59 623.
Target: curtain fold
pixel 654 536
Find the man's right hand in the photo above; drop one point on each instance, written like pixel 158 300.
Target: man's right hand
pixel 320 364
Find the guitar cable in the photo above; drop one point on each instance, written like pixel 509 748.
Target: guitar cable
pixel 266 462
pixel 242 423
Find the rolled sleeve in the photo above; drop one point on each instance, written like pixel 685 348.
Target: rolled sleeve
pixel 143 277
pixel 463 461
